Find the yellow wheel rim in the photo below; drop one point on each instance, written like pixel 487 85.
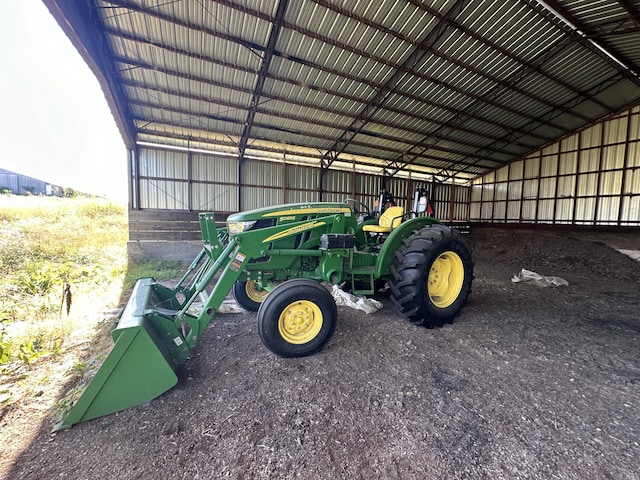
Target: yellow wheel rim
pixel 300 322
pixel 253 293
pixel 445 279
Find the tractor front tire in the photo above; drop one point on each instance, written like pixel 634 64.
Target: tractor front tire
pixel 297 319
pixel 431 276
pixel 248 296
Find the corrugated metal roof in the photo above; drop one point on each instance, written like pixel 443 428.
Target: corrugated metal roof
pixel 449 87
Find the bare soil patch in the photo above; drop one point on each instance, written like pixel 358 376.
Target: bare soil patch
pixel 528 382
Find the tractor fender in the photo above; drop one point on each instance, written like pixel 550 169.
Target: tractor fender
pixel 395 239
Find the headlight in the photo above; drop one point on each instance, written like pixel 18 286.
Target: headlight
pixel 239 227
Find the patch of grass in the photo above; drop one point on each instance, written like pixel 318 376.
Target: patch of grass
pixel 55 253
pixel 59 253
pixel 158 269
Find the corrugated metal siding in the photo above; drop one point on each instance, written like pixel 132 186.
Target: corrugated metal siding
pixel 452 202
pixel 500 192
pixel 589 160
pixel 589 178
pixel 269 174
pixel 516 170
pixel 548 189
pixel 499 209
pixel 564 210
pixel 608 208
pixel 568 162
pixel 367 188
pixel 528 211
pixel 338 185
pixel 513 211
pixel 566 186
pixel 262 184
pixel 546 209
pixel 400 189
pixel 631 209
pixel 217 198
pixel 167 164
pixel 210 168
pixel 302 184
pixel 163 194
pixel 194 181
pixel 178 180
pixel 514 190
pixel 257 197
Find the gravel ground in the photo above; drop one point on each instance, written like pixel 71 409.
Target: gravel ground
pixel 528 382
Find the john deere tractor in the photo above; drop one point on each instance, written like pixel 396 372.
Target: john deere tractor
pixel 276 261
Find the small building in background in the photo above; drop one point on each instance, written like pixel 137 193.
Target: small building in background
pixel 17 184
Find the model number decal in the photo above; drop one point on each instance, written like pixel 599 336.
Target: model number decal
pixel 293 231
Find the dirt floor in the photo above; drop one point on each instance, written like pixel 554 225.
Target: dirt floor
pixel 528 382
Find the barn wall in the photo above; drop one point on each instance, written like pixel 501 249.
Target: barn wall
pixel 169 188
pixel 590 178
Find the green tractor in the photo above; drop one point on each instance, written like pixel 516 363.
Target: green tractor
pixel 275 260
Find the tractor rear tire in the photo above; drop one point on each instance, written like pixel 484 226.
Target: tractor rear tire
pixel 431 276
pixel 248 296
pixel 297 319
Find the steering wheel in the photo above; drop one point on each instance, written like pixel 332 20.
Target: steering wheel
pixel 354 208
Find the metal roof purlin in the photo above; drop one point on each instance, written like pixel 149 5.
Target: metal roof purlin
pixel 183 23
pixel 374 104
pixel 580 34
pixel 282 114
pixel 615 27
pixel 428 78
pixel 294 82
pixel 448 88
pixel 579 31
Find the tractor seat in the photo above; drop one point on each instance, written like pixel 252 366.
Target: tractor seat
pixel 390 219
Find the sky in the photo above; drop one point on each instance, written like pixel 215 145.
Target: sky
pixel 55 124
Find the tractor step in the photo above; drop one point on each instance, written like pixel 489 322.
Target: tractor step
pixel 364 270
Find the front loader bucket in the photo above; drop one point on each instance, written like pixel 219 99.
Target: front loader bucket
pixel 140 367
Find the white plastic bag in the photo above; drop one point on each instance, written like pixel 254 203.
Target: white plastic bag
pixel 367 305
pixel 527 276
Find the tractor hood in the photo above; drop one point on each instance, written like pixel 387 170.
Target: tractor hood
pixel 278 214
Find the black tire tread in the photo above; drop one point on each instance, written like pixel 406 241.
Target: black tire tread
pixel 410 270
pixel 286 292
pixel 242 299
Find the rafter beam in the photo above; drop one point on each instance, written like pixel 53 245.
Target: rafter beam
pixel 276 26
pixel 189 119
